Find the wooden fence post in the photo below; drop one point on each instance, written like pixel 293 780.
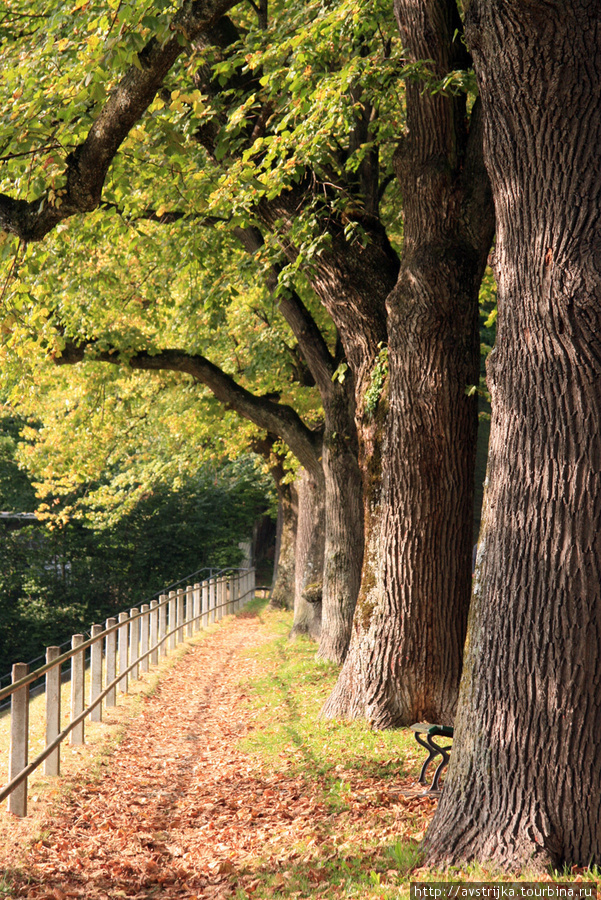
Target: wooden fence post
pixel 180 615
pixel 19 740
pixel 162 624
pixel 190 609
pixel 155 631
pixel 134 642
pixel 144 637
pixel 172 620
pixel 211 600
pixel 221 598
pixel 253 583
pixel 111 663
pixel 196 605
pixel 96 673
pixel 122 636
pixel 205 604
pixel 78 672
pixel 52 763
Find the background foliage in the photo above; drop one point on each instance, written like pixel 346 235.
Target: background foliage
pixel 63 574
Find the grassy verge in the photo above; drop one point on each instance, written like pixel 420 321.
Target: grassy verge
pixel 365 837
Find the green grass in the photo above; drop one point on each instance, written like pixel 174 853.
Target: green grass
pixel 375 854
pixel 288 702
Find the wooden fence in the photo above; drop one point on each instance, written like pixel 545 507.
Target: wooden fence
pixel 119 651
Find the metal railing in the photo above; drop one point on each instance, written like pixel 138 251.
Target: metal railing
pixel 119 651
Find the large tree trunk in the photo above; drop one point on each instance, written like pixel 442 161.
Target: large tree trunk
pixel 404 663
pixel 525 777
pixel 310 543
pixel 343 523
pixel 284 570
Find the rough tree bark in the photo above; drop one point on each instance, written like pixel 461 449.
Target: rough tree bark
pixel 310 543
pixel 284 572
pixel 404 662
pixel 525 777
pixel 344 535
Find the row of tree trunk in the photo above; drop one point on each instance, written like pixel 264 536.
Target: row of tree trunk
pixel 384 507
pixel 415 428
pixel 525 774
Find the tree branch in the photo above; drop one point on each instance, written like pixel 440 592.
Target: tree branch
pixel 275 418
pixel 168 217
pixel 88 164
pixel 302 324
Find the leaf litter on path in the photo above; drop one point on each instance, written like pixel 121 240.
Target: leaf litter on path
pixel 180 811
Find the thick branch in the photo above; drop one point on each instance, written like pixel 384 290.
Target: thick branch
pixel 276 418
pixel 88 164
pixel 304 328
pixel 351 281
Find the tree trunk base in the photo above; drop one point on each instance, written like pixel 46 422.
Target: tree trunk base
pixel 346 700
pixel 389 692
pixel 281 601
pixel 311 630
pixel 332 650
pixel 514 853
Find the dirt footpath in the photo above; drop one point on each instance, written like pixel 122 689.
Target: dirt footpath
pixel 178 811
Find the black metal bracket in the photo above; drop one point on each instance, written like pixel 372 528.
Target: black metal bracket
pixel 429 732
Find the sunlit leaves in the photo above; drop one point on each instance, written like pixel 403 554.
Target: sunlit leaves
pixel 137 285
pixel 306 99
